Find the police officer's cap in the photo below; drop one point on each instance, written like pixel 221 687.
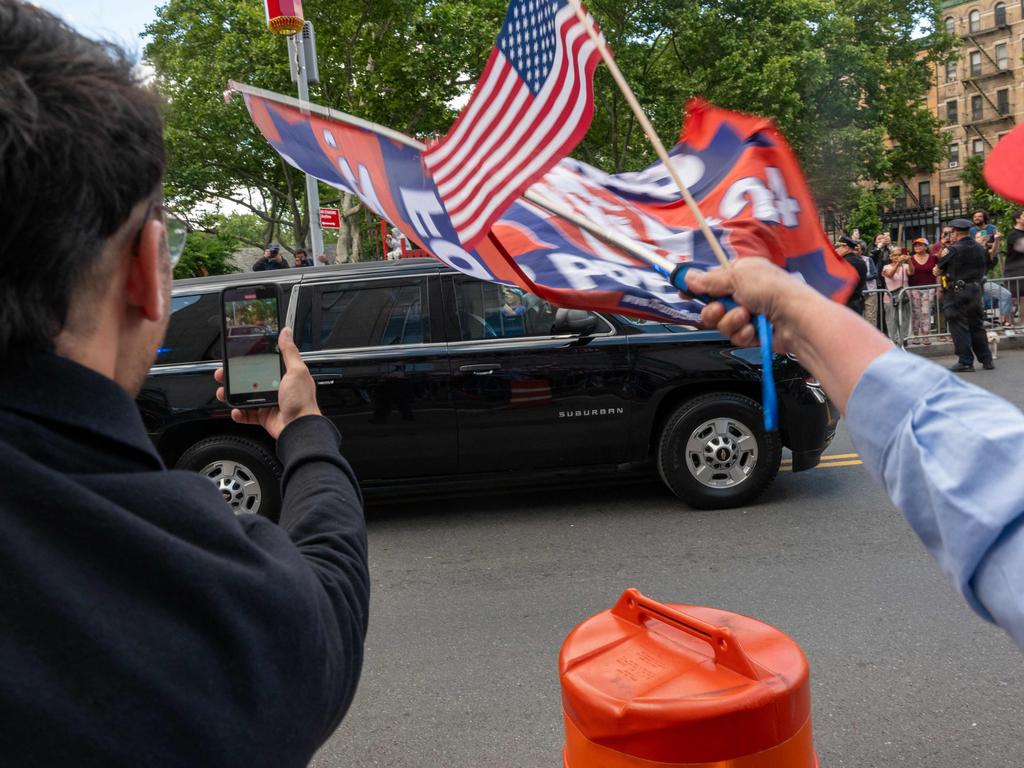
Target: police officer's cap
pixel 849 241
pixel 961 225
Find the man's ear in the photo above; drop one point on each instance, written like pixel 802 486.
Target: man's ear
pixel 145 285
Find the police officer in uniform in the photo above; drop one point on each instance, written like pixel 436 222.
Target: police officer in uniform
pixel 963 264
pixel 847 248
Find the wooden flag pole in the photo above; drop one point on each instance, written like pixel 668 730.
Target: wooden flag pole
pixel 641 116
pixel 636 249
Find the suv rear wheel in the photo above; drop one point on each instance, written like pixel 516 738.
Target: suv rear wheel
pixel 714 452
pixel 244 471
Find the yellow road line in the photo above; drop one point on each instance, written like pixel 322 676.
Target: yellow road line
pixel 830 457
pixel 827 464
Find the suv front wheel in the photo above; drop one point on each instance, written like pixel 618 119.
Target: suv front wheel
pixel 714 452
pixel 244 471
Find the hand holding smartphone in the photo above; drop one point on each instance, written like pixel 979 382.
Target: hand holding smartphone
pixel 251 325
pixel 249 375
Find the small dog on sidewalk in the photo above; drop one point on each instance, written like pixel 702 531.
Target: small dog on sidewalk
pixel 993 344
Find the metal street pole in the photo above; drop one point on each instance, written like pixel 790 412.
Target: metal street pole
pixel 302 55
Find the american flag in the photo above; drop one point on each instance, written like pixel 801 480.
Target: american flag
pixel 533 104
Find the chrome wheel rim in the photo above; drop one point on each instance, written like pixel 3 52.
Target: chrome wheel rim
pixel 237 485
pixel 721 453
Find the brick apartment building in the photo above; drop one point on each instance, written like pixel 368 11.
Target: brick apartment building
pixel 978 98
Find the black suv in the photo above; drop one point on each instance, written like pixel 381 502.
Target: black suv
pixel 434 377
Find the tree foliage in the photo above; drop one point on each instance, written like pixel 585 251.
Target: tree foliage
pixel 1000 210
pixel 866 214
pixel 206 254
pixel 396 62
pixel 844 79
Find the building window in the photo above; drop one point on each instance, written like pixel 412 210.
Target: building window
pixel 950 25
pixel 1003 56
pixel 951 70
pixel 951 115
pixel 974 22
pixel 978 147
pixel 954 194
pixel 954 155
pixel 976 108
pixel 1003 101
pixel 1000 14
pixel 924 193
pixel 975 59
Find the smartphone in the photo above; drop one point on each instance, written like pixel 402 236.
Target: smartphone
pixel 251 323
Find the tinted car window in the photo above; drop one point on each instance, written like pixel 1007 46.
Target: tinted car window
pixel 377 313
pixel 490 311
pixel 194 332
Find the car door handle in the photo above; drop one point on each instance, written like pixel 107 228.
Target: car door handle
pixel 326 379
pixel 481 369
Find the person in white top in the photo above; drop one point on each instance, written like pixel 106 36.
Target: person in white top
pixel 897 303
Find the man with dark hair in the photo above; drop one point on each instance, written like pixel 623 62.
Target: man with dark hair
pixel 980 223
pixel 301 259
pixel 143 623
pixel 272 259
pixel 944 240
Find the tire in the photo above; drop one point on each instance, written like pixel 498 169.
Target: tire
pixel 244 470
pixel 713 452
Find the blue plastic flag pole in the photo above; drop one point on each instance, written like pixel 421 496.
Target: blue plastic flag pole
pixel 769 394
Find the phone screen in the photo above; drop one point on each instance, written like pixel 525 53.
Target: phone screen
pixel 252 362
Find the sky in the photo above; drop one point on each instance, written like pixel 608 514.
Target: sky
pixel 119 20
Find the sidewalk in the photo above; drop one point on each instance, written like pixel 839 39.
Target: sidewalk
pixel 944 347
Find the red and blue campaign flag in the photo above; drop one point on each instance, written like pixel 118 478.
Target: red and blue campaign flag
pixel 739 169
pixel 532 106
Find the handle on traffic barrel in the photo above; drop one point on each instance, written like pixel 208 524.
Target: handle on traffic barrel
pixel 769 394
pixel 636 607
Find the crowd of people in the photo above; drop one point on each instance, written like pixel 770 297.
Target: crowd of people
pixel 902 290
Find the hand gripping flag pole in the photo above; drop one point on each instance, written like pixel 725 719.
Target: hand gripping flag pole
pixel 677 277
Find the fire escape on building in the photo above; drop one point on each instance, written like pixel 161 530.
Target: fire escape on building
pixel 981 81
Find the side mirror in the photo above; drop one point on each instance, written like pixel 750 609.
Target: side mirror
pixel 576 321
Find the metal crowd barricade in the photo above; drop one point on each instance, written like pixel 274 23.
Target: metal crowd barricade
pixel 873 307
pixel 1002 299
pixel 926 322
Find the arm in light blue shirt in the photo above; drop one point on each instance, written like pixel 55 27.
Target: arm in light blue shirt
pixel 951 457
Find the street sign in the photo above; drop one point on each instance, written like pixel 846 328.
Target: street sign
pixel 330 218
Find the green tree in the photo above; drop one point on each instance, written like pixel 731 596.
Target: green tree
pixel 866 214
pixel 845 80
pixel 206 254
pixel 1000 210
pixel 396 62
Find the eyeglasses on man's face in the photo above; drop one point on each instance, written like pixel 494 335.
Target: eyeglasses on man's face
pixel 176 232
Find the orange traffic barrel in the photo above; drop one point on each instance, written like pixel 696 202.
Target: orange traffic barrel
pixel 650 685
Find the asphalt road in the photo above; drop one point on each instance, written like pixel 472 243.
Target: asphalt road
pixel 473 597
